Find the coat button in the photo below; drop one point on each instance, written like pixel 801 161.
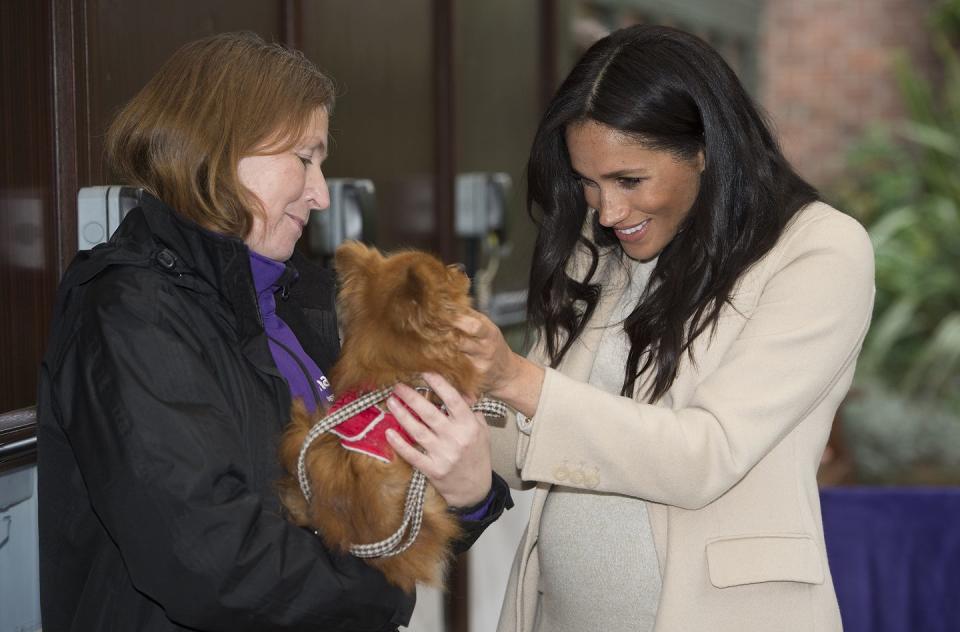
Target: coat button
pixel 166 259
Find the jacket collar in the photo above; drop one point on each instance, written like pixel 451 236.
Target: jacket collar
pixel 212 263
pixel 207 260
pixel 215 263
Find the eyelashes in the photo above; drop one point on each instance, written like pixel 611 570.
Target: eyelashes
pixel 629 183
pixel 623 182
pixel 583 181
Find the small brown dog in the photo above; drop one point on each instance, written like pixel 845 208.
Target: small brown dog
pixel 397 316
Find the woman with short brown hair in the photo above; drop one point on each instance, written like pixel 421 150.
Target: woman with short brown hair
pixel 215 101
pixel 176 351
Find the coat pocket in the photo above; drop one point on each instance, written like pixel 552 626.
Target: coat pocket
pixel 739 560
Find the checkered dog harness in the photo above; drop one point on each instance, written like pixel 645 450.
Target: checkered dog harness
pixel 361 424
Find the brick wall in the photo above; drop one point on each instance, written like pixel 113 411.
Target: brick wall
pixel 826 73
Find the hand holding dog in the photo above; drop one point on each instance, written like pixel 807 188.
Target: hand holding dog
pixel 504 375
pixel 456 448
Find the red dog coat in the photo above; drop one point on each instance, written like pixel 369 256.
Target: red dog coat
pixel 366 432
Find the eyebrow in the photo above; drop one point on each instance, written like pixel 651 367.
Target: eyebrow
pixel 613 175
pixel 312 142
pixel 319 146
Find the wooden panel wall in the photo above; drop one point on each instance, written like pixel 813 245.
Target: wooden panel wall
pixel 380 55
pixel 130 39
pixel 28 246
pixel 67 67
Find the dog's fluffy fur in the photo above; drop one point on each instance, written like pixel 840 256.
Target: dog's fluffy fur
pixel 396 314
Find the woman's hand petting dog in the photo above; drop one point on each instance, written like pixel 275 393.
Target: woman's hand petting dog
pixel 455 454
pixel 504 374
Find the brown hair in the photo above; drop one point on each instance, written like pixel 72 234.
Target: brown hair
pixel 214 101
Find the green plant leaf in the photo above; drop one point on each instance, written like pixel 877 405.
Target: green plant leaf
pixel 937 362
pixel 932 137
pixel 888 328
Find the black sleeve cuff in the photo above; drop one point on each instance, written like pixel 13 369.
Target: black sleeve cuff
pixel 473 528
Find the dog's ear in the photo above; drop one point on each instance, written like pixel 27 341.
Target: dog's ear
pixel 415 285
pixel 353 257
pixel 421 298
pixel 357 267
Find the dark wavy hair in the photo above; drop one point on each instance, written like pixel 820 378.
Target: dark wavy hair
pixel 670 91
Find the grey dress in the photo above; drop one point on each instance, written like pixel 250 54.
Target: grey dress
pixel 598 564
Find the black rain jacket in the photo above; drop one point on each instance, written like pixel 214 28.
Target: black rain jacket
pixel 160 408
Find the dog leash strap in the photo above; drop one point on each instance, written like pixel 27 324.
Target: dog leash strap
pixel 490 407
pixel 413 506
pixel 412 513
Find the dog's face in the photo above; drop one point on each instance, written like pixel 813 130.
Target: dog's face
pixel 397 314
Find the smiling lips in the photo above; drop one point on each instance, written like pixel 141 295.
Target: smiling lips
pixel 301 222
pixel 633 233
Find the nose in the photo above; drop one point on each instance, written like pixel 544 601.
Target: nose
pixel 612 208
pixel 316 190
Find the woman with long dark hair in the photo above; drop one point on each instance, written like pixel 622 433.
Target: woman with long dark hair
pixel 698 314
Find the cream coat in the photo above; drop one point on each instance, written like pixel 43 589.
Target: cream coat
pixel 727 459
